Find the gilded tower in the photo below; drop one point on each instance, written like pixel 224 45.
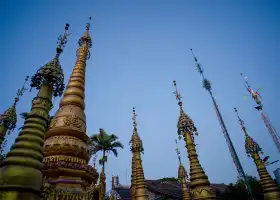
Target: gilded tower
pixel 8 119
pixel 182 176
pixel 138 186
pixel 270 189
pixel 66 168
pixel 24 161
pixel 200 185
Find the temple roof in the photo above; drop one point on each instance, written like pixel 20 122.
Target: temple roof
pixel 165 188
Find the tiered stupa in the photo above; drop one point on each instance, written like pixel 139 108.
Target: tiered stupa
pixel 138 186
pixel 200 185
pixel 20 172
pixel 66 152
pixel 270 190
pixel 182 176
pixel 8 119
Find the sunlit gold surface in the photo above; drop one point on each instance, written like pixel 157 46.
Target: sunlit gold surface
pixel 21 170
pixel 182 174
pixel 138 183
pixel 200 185
pixel 65 147
pixel 269 187
pixel 133 178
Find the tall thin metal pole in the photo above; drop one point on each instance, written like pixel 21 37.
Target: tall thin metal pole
pixel 207 86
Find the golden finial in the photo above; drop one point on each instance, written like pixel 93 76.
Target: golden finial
pixel 239 119
pixel 62 40
pixel 177 94
pixel 9 117
pixel 21 90
pixel 134 119
pixel 136 142
pixel 86 38
pixel 250 145
pixel 52 72
pixel 185 123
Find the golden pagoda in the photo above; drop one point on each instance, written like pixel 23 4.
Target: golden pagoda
pixel 20 172
pixel 270 190
pixel 182 176
pixel 200 185
pixel 138 186
pixel 66 152
pixel 8 119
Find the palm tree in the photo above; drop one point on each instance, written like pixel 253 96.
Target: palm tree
pixel 105 143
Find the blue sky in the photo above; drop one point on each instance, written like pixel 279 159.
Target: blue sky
pixel 139 48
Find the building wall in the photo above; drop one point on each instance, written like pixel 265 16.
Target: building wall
pixel 152 196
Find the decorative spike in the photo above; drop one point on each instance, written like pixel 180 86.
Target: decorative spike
pixel 66 142
pixel 24 160
pixel 185 123
pixel 52 73
pixel 206 83
pixel 199 180
pixel 8 119
pixel 271 192
pixel 139 188
pixel 182 176
pixel 177 94
pixel 62 41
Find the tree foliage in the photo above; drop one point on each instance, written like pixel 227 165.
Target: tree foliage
pixel 105 143
pixel 238 190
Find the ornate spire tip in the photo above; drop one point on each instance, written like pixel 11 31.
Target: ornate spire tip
pixel 62 40
pixel 177 94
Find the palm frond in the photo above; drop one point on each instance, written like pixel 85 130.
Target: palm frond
pixel 117 145
pixel 115 152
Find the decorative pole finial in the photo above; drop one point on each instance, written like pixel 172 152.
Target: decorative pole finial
pixel 206 83
pixel 21 90
pixel 85 40
pixel 178 95
pixel 62 40
pixel 88 24
pixel 134 119
pixel 240 120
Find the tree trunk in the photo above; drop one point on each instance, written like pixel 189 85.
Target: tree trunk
pixel 103 164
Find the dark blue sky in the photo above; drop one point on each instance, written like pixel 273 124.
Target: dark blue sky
pixel 139 48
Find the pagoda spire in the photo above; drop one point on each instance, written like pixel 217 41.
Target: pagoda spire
pixel 66 144
pixel 24 161
pixel 253 149
pixel 200 185
pixel 139 189
pixel 182 176
pixel 8 119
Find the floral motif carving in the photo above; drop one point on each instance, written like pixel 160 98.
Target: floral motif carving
pixel 73 121
pixel 64 158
